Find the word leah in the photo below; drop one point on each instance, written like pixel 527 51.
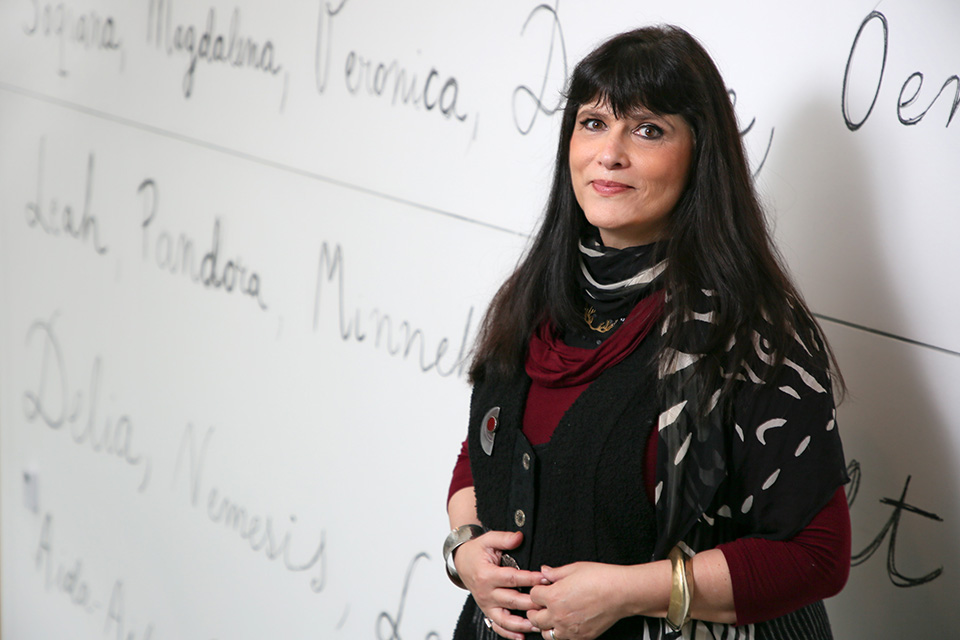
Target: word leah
pixel 58 217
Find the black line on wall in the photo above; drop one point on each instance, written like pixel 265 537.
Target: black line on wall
pixel 359 189
pixel 887 334
pixel 103 115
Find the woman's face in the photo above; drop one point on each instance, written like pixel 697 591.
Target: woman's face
pixel 628 173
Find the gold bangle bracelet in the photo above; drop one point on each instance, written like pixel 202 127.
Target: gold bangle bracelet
pixel 678 612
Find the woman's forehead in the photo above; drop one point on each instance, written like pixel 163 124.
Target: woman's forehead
pixel 602 105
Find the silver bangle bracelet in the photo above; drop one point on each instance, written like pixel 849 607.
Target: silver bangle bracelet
pixel 454 539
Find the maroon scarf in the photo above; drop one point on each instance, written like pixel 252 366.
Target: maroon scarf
pixel 552 363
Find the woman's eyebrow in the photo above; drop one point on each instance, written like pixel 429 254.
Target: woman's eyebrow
pixel 593 111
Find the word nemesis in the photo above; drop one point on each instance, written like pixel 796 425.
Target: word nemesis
pixel 259 532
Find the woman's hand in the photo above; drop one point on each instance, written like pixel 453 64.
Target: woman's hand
pixel 584 600
pixel 495 588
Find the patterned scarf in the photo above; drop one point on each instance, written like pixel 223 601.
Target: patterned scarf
pixel 691 453
pixel 698 429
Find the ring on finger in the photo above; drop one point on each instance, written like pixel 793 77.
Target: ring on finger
pixel 553 634
pixel 488 622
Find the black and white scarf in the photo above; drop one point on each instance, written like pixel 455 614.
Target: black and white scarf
pixel 765 460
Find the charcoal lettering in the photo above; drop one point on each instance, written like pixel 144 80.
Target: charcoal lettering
pixel 891 527
pixel 331 269
pixel 388 626
pixel 536 99
pixel 258 532
pixel 176 254
pixel 61 220
pixel 230 49
pixel 52 403
pixel 909 94
pixel 321 59
pixel 85 31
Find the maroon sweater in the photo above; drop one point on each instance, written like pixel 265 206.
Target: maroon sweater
pixel 769 577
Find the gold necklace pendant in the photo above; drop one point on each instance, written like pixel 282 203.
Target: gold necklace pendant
pixel 590 315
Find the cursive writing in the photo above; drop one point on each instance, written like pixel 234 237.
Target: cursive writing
pixel 259 532
pixel 386 79
pixel 229 49
pixel 177 255
pixel 61 220
pixel 331 269
pixel 747 129
pixel 53 403
pixel 892 525
pixel 388 625
pixel 68 580
pixel 84 31
pixel 908 112
pixel 535 99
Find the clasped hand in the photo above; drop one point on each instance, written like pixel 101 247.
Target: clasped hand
pixel 494 588
pixel 578 601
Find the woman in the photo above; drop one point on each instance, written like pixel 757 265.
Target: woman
pixel 652 447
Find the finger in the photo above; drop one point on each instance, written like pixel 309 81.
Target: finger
pixel 540 595
pixel 539 618
pixel 500 631
pixel 502 539
pixel 517 578
pixel 513 625
pixel 512 599
pixel 553 574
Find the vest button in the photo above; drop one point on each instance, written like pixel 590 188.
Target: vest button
pixel 519 517
pixel 525 460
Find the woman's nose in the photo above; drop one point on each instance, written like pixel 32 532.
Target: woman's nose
pixel 613 154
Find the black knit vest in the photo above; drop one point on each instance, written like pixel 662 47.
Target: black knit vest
pixel 581 497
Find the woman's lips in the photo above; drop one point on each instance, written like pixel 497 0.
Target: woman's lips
pixel 608 188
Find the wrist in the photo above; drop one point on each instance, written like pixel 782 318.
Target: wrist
pixel 647 591
pixel 453 541
pixel 681 588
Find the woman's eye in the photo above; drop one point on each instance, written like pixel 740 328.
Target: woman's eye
pixel 591 124
pixel 649 131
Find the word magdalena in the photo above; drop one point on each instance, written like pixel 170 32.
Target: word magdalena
pixel 231 48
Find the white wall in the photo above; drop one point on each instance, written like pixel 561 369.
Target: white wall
pixel 363 221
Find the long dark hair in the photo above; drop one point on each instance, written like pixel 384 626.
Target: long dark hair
pixel 716 236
